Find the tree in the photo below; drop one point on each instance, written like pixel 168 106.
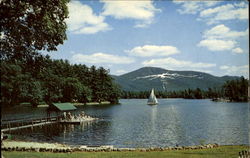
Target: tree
pixel 71 89
pixel 44 79
pixel 52 85
pixel 10 83
pixel 198 93
pixel 114 94
pixel 85 95
pixel 236 90
pixel 96 94
pixel 31 92
pixel 29 26
pixel 103 84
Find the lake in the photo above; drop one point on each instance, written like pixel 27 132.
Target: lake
pixel 133 123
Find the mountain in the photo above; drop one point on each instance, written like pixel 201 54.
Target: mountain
pixel 146 78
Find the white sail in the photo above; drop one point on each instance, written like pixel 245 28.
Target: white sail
pixel 152 100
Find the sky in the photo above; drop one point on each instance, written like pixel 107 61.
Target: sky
pixel 122 36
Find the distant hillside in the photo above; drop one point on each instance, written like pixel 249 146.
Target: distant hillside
pixel 160 79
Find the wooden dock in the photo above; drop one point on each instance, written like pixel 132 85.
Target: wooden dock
pixel 27 126
pixel 10 125
pixel 15 124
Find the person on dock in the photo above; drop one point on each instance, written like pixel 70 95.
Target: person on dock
pixel 79 117
pixel 1 143
pixel 64 115
pixel 82 113
pixel 68 116
pixel 1 138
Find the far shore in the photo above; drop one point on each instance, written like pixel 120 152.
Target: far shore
pixel 108 103
pixel 81 104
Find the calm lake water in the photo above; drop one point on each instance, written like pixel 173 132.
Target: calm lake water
pixel 133 123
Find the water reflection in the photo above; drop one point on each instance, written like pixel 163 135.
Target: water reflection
pixel 173 128
pixel 135 124
pixel 153 116
pixel 227 127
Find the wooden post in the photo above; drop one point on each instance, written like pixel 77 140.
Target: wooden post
pixel 32 125
pixel 9 126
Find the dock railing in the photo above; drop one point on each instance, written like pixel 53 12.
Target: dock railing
pixel 14 124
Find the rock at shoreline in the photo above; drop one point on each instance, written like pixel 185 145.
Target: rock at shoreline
pixel 55 147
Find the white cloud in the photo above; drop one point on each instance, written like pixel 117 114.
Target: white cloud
pixel 153 50
pixel 217 45
pixel 211 13
pixel 82 20
pixel 97 58
pixel 193 7
pixel 242 70
pixel 237 50
pixel 222 38
pixel 189 8
pixel 225 12
pixel 223 32
pixel 171 63
pixel 144 11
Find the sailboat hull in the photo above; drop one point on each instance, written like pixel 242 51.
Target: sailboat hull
pixel 150 103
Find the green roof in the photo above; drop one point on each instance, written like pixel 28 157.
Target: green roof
pixel 64 106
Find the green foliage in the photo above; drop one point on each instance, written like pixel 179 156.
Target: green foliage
pixel 11 77
pixel 29 26
pixel 55 81
pixel 71 89
pixel 85 94
pixel 31 91
pixel 236 90
pixel 114 93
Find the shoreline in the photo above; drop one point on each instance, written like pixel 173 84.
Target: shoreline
pixel 10 145
pixel 222 151
pixel 108 103
pixel 79 104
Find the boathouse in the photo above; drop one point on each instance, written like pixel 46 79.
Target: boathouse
pixel 59 108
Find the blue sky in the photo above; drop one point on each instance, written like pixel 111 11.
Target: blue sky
pixel 207 36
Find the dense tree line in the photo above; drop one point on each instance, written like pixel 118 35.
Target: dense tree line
pixel 43 79
pixel 28 27
pixel 187 94
pixel 235 90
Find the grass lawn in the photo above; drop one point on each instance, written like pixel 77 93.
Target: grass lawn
pixel 220 152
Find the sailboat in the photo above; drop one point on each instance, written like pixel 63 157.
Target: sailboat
pixel 152 98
